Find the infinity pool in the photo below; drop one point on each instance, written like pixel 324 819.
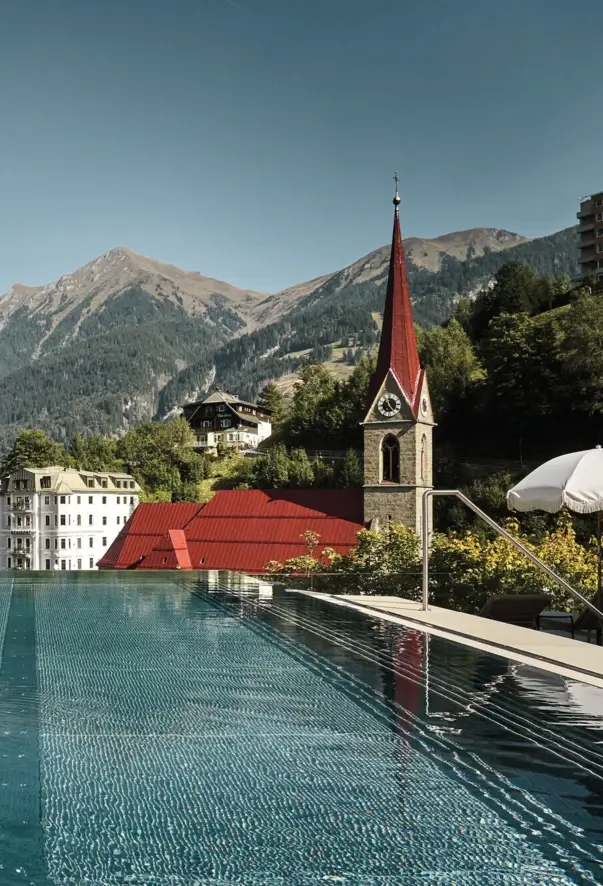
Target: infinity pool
pixel 158 732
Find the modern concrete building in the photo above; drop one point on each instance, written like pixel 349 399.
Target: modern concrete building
pixel 223 418
pixel 62 518
pixel 590 233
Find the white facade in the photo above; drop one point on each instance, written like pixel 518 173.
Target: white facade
pixel 240 438
pixel 62 519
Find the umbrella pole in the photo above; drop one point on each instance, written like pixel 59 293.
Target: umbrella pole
pixel 598 556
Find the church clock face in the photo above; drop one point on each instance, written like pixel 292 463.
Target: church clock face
pixel 424 406
pixel 389 405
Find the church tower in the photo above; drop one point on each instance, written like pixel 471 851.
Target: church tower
pixel 398 426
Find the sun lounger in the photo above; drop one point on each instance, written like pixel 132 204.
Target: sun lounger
pixel 574 622
pixel 516 609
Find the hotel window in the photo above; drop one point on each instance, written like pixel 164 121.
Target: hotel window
pixel 8 521
pixel 600 263
pixel 79 542
pixel 599 247
pixel 104 499
pixel 79 499
pixel 599 232
pixel 91 562
pixel 206 424
pixel 90 520
pixel 8 543
pixel 118 520
pixel 9 563
pixel 91 542
pixel 599 216
pixel 47 544
pixel 46 499
pixel 79 519
pixel 63 544
pixel 91 483
pixel 79 564
pixel 105 521
pixel 28 543
pixel 47 519
pixel 63 520
pixel 104 484
pixel 105 541
pixel 56 520
pixel 90 499
pixel 131 484
pixel 63 564
pixel 63 500
pixel 45 483
pixel 118 499
pixel 131 499
pixel 47 564
pixel 56 543
pixel 221 408
pixel 225 422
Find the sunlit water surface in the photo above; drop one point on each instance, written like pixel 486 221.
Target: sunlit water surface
pixel 158 732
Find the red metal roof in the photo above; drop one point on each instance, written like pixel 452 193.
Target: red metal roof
pixel 170 553
pixel 240 530
pixel 147 527
pixel 398 346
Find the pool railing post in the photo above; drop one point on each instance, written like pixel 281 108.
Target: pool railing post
pixel 425 539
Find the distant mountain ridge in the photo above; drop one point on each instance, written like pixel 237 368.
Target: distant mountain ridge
pixel 126 337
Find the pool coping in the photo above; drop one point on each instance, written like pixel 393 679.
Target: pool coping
pixel 512 642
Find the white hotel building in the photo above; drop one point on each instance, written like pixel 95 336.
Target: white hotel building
pixel 62 518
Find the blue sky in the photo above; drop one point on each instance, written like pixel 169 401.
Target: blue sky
pixel 255 140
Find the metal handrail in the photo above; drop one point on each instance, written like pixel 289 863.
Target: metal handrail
pixel 430 493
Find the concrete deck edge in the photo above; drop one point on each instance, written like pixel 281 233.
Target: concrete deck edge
pixel 502 650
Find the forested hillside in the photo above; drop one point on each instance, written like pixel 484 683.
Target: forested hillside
pixel 126 338
pixel 340 311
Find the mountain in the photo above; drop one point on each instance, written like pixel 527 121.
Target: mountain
pixel 342 308
pixel 126 337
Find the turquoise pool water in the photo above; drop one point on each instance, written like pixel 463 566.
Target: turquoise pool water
pixel 156 732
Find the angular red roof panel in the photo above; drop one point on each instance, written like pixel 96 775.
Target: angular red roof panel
pixel 147 527
pixel 240 530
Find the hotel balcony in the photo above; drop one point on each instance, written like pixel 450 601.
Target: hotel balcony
pixel 21 506
pixel 24 529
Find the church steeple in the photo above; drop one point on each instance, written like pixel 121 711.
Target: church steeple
pixel 399 422
pixel 398 351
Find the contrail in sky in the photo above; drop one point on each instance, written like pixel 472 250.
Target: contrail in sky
pixel 237 5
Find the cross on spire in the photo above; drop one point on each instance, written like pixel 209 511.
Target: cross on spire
pixel 396 200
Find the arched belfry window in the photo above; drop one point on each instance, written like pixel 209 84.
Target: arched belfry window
pixel 390 459
pixel 423 458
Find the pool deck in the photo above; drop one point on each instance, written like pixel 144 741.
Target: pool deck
pixel 550 652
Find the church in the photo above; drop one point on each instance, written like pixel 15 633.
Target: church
pixel 243 530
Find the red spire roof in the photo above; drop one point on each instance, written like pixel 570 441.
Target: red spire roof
pixel 398 345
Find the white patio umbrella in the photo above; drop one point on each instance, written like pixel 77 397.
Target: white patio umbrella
pixel 574 480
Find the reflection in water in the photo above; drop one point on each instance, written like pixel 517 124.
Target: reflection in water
pixel 190 735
